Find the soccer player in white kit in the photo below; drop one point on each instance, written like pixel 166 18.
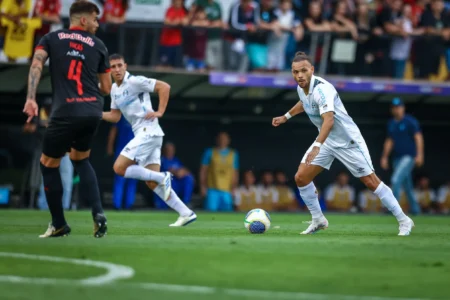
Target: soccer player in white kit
pixel 141 157
pixel 339 137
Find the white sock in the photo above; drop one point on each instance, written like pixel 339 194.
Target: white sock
pixel 174 202
pixel 141 173
pixel 311 199
pixel 387 198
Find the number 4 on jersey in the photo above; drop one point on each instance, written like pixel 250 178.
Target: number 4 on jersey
pixel 75 74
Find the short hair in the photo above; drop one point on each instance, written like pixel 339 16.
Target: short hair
pixel 301 56
pixel 83 7
pixel 116 56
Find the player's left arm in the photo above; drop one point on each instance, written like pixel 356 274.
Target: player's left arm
pixel 34 76
pixel 325 100
pixel 162 88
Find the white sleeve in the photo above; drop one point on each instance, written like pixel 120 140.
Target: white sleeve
pixel 113 102
pixel 324 97
pixel 143 84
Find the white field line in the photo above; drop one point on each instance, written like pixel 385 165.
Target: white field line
pixel 115 272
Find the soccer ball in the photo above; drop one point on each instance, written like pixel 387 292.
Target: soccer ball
pixel 257 221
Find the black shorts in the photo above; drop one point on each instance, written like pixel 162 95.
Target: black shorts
pixel 62 134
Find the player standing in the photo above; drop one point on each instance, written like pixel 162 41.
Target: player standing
pixel 78 62
pixel 141 157
pixel 339 137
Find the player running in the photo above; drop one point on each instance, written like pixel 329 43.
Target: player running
pixel 141 157
pixel 78 61
pixel 340 138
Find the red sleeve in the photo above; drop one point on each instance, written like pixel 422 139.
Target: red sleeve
pixel 108 7
pixel 170 13
pixel 39 8
pixel 44 44
pixel 58 6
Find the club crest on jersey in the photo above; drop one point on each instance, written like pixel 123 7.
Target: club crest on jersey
pixel 125 93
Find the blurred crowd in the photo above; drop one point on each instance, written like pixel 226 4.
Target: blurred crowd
pixel 374 38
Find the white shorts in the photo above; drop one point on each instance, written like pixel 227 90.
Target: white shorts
pixel 144 149
pixel 356 159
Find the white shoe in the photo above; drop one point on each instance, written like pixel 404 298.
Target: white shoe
pixel 166 185
pixel 183 221
pixel 406 227
pixel 53 232
pixel 316 225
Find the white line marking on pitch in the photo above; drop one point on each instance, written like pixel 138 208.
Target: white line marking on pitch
pixel 257 293
pixel 115 272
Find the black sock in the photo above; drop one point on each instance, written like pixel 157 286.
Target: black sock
pixel 89 185
pixel 53 192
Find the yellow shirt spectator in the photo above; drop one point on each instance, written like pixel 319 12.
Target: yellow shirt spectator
pixel 247 198
pixel 444 199
pixel 425 198
pixel 16 8
pixel 269 197
pixel 369 202
pixel 339 197
pixel 19 38
pixel 286 198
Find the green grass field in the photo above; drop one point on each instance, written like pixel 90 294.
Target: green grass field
pixel 216 258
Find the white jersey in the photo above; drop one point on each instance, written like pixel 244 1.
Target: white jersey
pixel 132 97
pixel 323 98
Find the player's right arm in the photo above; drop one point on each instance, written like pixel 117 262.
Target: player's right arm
pixel 297 109
pixel 105 83
pixel 103 71
pixel 34 76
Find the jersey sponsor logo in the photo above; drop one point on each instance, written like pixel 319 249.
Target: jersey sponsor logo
pixel 360 170
pixel 75 53
pixel 322 97
pixel 77 37
pixel 81 99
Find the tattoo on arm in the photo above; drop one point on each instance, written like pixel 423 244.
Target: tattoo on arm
pixel 34 76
